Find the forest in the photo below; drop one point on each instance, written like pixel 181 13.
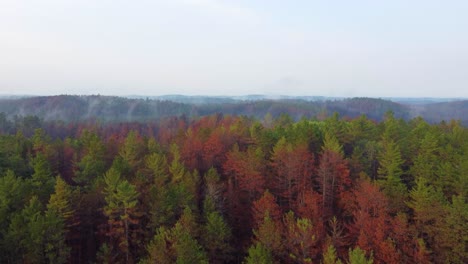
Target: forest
pixel 123 109
pixel 234 189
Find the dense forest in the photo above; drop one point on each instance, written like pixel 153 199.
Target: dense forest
pixel 111 108
pixel 233 189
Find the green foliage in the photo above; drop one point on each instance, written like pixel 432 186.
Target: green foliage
pixel 121 198
pixel 157 163
pixel 426 162
pixel 269 235
pixel 300 238
pixel 358 256
pixel 42 180
pixel 259 254
pixel 132 151
pixel 59 202
pixel 56 250
pixel 454 237
pixel 92 164
pixel 187 249
pixel 331 143
pixel 390 176
pixel 330 257
pixel 390 161
pixel 159 250
pixel 216 237
pixel 12 195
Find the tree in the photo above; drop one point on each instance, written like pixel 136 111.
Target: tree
pixel 333 175
pixel 358 256
pixel 427 206
pixel 13 191
pixel 58 218
pixel 121 199
pixel 245 183
pixel 300 240
pixel 92 163
pixel 293 168
pixel 269 234
pixel 426 161
pixel 159 190
pixel 259 254
pixel 42 180
pixel 454 234
pixel 159 249
pixel 31 222
pixel 216 238
pixel 389 174
pixel 55 248
pixel 264 206
pixel 186 248
pixel 133 150
pixel 371 226
pixel 214 199
pixel 59 202
pixel 330 257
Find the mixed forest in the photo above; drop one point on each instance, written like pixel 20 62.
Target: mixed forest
pixel 234 189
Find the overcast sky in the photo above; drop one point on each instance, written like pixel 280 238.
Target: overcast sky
pixel 401 48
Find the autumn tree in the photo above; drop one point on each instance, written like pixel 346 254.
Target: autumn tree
pixel 370 227
pixel 333 175
pixel 245 184
pixel 300 240
pixel 293 168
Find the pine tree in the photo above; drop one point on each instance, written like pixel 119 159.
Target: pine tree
pixel 92 162
pixel 159 249
pixel 427 205
pixel 186 248
pixel 216 237
pixel 259 254
pixel 390 172
pixel 333 176
pixel 42 180
pixel 454 236
pixel 121 198
pixel 358 256
pixel 301 243
pixel 330 257
pixel 59 201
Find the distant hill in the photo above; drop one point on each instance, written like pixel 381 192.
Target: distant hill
pixel 110 108
pixel 106 108
pixel 444 111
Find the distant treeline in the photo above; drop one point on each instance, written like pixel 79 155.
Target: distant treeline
pixel 70 108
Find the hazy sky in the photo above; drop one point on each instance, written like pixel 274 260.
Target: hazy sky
pixel 221 47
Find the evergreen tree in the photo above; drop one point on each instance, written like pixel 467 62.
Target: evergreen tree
pixel 358 256
pixel 259 254
pixel 216 237
pixel 390 176
pixel 59 201
pixel 42 180
pixel 121 199
pixel 330 257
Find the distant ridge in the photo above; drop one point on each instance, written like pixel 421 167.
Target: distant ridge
pixel 140 108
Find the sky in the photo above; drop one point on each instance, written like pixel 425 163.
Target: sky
pixel 397 48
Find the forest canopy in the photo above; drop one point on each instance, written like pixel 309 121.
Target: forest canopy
pixel 234 189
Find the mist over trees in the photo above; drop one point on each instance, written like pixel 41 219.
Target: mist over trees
pixel 70 108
